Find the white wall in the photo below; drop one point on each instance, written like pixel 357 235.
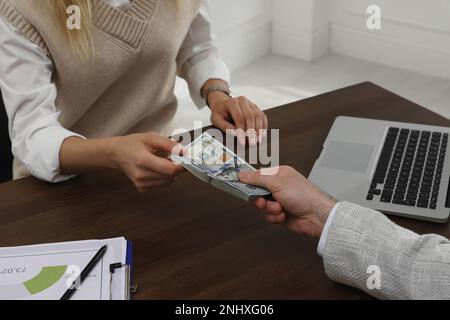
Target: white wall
pixel 300 28
pixel 242 28
pixel 415 34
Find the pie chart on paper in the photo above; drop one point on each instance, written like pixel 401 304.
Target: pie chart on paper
pixel 46 278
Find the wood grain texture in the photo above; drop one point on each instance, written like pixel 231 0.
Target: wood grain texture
pixel 192 241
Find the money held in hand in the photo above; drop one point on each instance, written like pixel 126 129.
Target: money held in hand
pixel 212 162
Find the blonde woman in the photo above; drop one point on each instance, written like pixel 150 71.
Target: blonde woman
pixel 101 96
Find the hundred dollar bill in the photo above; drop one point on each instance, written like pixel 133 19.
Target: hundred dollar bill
pixel 212 162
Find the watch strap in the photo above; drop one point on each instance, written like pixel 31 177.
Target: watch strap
pixel 221 88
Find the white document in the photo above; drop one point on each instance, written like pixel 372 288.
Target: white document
pixel 44 272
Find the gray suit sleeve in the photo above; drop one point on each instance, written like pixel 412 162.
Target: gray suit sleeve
pixel 411 266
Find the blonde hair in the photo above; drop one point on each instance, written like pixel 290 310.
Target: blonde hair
pixel 81 40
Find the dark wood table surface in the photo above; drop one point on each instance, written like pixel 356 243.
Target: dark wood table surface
pixel 194 242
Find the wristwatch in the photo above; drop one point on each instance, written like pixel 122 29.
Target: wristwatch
pixel 221 88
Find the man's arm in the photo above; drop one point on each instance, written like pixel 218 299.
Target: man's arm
pixel 361 241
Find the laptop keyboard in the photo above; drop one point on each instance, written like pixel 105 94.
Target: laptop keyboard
pixel 409 169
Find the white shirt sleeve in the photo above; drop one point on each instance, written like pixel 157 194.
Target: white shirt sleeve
pixel 323 237
pixel 29 96
pixel 198 59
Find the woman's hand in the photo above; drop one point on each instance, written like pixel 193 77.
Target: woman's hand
pixel 239 115
pixel 135 156
pixel 301 205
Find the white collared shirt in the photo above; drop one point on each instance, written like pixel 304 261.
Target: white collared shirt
pixel 29 93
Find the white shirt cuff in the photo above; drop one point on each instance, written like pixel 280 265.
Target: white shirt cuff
pixel 42 159
pixel 323 237
pixel 211 68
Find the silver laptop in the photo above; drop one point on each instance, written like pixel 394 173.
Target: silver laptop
pixel 397 168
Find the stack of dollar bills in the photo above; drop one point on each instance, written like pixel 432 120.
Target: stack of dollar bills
pixel 213 163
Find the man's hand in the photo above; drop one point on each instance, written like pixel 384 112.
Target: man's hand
pixel 301 205
pixel 239 115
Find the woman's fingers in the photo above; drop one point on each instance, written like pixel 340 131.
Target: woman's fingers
pixel 156 141
pixel 259 125
pixel 255 122
pixel 221 122
pixel 261 121
pixel 145 179
pixel 235 111
pixel 265 124
pixel 163 166
pixel 136 156
pixel 250 120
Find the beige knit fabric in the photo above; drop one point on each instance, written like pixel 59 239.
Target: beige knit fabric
pixel 128 86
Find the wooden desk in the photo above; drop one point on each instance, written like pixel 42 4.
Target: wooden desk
pixel 192 241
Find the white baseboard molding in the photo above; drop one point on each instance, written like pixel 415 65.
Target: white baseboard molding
pixel 383 49
pixel 302 45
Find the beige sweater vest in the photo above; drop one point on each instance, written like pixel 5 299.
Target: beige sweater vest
pixel 128 85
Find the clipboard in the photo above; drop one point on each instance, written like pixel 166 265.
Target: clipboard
pixel 44 271
pixel 127 267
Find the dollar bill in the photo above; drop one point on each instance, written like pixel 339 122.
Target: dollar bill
pixel 212 162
